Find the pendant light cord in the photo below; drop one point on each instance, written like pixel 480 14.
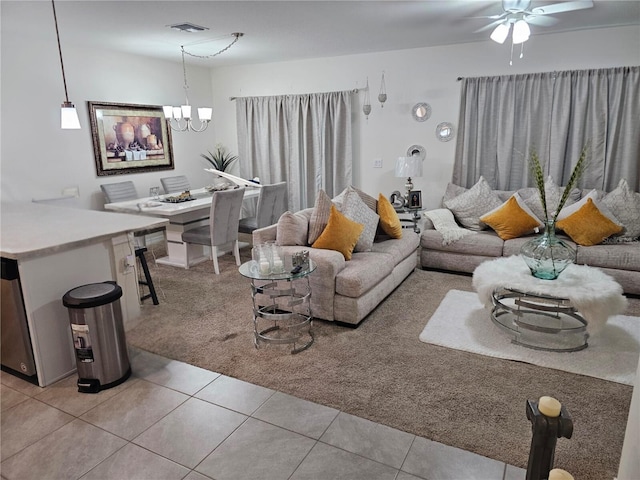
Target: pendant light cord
pixel 184 73
pixel 64 80
pixel 237 37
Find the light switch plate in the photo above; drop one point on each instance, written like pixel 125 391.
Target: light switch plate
pixel 377 163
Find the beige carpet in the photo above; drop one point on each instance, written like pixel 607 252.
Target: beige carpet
pixel 381 370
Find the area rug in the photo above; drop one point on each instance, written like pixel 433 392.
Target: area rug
pixel 461 322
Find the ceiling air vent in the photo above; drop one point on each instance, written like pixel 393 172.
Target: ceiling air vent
pixel 188 27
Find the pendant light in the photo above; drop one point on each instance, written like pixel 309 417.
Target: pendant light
pixel 68 114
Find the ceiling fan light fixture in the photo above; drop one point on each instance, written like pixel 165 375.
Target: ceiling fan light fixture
pixel 500 33
pixel 521 32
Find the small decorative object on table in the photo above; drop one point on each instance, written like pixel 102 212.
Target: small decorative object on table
pixel 300 259
pixel 183 197
pixel 546 255
pixel 415 199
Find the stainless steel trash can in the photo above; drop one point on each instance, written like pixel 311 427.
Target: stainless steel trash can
pixel 98 335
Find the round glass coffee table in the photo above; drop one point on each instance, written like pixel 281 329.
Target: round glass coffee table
pixel 281 305
pixel 555 315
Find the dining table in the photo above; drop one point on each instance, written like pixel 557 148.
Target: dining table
pixel 184 212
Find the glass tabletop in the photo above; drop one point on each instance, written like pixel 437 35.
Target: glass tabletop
pixel 409 209
pixel 250 270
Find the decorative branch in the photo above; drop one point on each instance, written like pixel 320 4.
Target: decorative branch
pixel 536 170
pixel 578 170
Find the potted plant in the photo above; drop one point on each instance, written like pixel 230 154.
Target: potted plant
pixel 220 159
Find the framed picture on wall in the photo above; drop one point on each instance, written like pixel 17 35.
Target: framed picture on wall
pixel 415 199
pixel 129 138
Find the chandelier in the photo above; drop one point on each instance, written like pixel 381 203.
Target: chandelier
pixel 180 118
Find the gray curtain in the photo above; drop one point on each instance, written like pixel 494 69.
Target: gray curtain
pixel 304 140
pixel 557 113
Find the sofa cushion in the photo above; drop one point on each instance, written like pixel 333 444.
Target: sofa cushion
pixel 371 202
pixel 513 246
pixel 355 209
pixel 319 216
pixel 486 244
pixel 469 206
pixel 512 219
pixel 623 256
pixel 340 234
pixel 292 229
pixel 399 248
pixel 588 225
pixel 553 195
pixel 389 221
pixel 625 206
pixel 363 271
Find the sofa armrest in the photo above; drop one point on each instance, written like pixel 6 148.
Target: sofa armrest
pixel 265 234
pixel 428 224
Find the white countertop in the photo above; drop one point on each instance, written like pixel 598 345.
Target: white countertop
pixel 33 229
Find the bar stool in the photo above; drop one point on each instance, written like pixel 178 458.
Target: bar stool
pixel 120 192
pixel 147 282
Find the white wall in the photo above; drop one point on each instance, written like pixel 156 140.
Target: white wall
pixel 416 75
pixel 38 158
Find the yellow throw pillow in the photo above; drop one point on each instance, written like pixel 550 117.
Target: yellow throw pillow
pixel 389 220
pixel 340 234
pixel 512 219
pixel 588 226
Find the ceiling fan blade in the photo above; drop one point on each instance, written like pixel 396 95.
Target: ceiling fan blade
pixel 542 21
pixel 493 17
pixel 563 7
pixel 488 27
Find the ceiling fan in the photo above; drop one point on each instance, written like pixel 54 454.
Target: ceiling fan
pixel 519 14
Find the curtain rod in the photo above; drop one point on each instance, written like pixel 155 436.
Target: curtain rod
pixel 355 90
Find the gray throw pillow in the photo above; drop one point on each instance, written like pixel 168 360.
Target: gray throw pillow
pixel 469 206
pixel 625 206
pixel 553 194
pixel 319 217
pixel 354 208
pixel 292 229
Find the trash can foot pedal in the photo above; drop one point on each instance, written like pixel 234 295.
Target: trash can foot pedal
pixel 92 385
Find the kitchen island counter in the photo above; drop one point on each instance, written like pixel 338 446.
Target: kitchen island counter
pixel 60 248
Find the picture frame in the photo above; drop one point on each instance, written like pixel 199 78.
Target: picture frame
pixel 415 199
pixel 130 138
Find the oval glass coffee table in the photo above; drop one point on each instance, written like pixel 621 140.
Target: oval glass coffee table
pixel 281 305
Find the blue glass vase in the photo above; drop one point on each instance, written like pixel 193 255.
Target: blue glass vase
pixel 546 255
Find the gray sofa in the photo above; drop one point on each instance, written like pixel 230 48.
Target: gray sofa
pixel 347 291
pixel 620 260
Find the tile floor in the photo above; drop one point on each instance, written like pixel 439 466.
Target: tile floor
pixel 171 420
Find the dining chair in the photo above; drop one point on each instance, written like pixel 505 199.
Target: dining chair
pixel 178 183
pixel 272 202
pixel 121 192
pixel 223 225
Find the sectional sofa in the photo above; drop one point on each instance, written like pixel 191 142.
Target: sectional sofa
pixel 617 255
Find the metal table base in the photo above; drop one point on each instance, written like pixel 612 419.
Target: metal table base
pixel 541 322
